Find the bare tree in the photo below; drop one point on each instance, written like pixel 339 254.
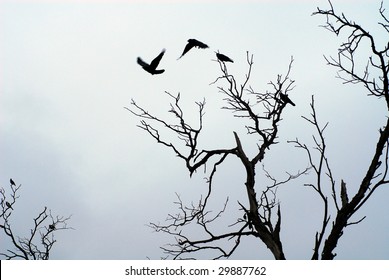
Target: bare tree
pixel 261 114
pixel 36 246
pixel 262 216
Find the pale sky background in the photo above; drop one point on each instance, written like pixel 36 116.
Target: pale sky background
pixel 69 67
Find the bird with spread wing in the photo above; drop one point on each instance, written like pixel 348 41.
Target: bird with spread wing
pixel 193 43
pixel 152 67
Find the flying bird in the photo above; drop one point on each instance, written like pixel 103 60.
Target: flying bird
pixel 193 43
pixel 223 57
pixel 152 67
pixel 8 205
pixel 12 182
pixel 286 99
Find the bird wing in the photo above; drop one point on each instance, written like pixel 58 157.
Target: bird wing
pixel 198 44
pixel 155 62
pixel 188 46
pixel 141 62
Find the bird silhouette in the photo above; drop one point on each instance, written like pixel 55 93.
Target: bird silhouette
pixel 52 227
pixel 8 205
pixel 286 99
pixel 193 43
pixel 12 182
pixel 152 67
pixel 223 57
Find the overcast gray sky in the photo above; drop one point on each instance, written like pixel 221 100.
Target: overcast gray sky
pixel 69 67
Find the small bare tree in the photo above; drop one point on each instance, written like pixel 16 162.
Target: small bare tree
pixel 36 246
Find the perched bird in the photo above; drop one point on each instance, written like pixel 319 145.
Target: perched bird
pixel 223 57
pixel 52 227
pixel 152 67
pixel 12 182
pixel 8 205
pixel 286 99
pixel 193 43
